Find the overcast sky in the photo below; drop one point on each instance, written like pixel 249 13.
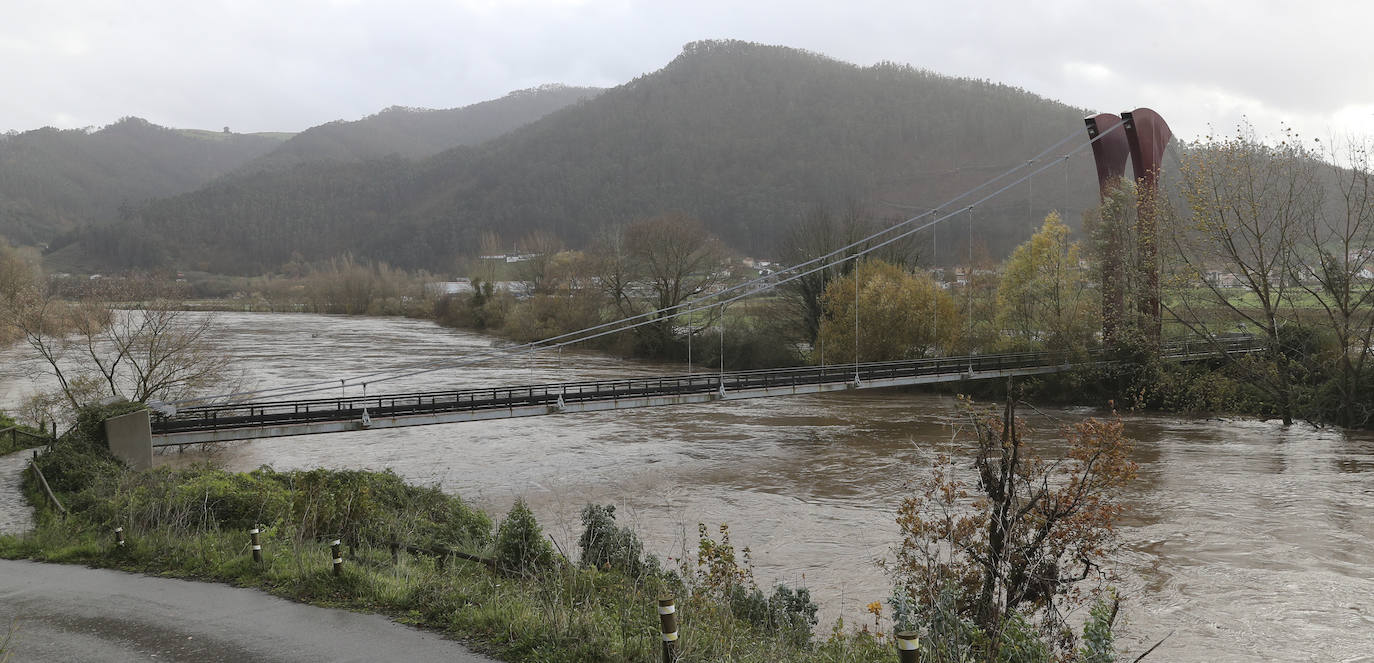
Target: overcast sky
pixel 283 65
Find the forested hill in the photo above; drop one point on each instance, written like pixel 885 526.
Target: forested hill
pixel 52 180
pixel 744 136
pixel 415 133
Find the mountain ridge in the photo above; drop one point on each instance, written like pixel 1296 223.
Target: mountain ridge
pixel 52 180
pixel 747 137
pixel 416 133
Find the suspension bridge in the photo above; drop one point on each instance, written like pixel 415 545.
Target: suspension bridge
pixel 242 421
pixel 1141 135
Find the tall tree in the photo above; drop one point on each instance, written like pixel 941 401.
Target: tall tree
pixel 901 315
pixel 1044 295
pixel 656 264
pixel 1112 252
pixel 94 350
pixel 1335 256
pixel 1250 204
pixel 537 251
pixel 1013 546
pixel 820 233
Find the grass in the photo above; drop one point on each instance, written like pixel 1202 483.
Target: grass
pixel 5 641
pixel 20 439
pixel 193 524
pixel 570 613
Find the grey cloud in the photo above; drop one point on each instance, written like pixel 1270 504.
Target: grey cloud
pixel 261 65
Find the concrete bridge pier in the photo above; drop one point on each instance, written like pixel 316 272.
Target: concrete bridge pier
pixel 130 437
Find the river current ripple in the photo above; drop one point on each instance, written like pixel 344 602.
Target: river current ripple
pixel 1246 540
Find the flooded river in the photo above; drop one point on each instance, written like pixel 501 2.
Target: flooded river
pixel 1247 541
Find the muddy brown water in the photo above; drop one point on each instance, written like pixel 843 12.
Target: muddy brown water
pixel 1247 541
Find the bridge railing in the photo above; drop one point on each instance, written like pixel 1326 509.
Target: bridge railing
pixel 323 409
pixel 266 413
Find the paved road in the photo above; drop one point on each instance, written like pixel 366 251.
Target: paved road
pixel 72 613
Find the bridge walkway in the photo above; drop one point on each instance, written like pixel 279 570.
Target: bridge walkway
pixel 250 420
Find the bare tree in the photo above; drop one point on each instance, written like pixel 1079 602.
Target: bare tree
pixel 538 251
pixel 93 350
pixel 1250 204
pixel 488 244
pixel 820 233
pixel 1334 270
pixel 654 265
pixel 615 270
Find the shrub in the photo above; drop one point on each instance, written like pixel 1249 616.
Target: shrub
pixel 789 612
pixel 606 546
pixel 721 578
pixel 82 458
pixel 543 316
pixel 236 500
pixel 378 507
pixel 521 548
pixel 1099 643
pixel 484 308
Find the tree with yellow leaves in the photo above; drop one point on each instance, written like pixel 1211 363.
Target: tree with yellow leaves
pixel 1045 297
pixel 901 315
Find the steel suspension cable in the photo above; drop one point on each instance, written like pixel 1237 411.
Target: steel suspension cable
pixel 689 346
pixel 968 285
pixel 687 306
pixel 856 319
pixel 934 301
pixel 518 350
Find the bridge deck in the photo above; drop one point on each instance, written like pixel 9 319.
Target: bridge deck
pixel 241 421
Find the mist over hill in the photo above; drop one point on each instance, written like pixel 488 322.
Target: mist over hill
pixel 56 183
pixel 415 133
pixel 53 180
pixel 747 137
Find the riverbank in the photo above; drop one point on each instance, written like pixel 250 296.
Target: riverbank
pixel 755 334
pixel 1221 511
pixel 451 572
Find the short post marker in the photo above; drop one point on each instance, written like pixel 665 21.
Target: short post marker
pixel 257 545
pixel 338 559
pixel 119 536
pixel 395 553
pixel 667 615
pixel 908 647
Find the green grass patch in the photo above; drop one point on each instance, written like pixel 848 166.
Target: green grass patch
pixel 16 437
pixel 529 604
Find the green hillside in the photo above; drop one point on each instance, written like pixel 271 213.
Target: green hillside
pixel 53 180
pixel 418 132
pixel 746 137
